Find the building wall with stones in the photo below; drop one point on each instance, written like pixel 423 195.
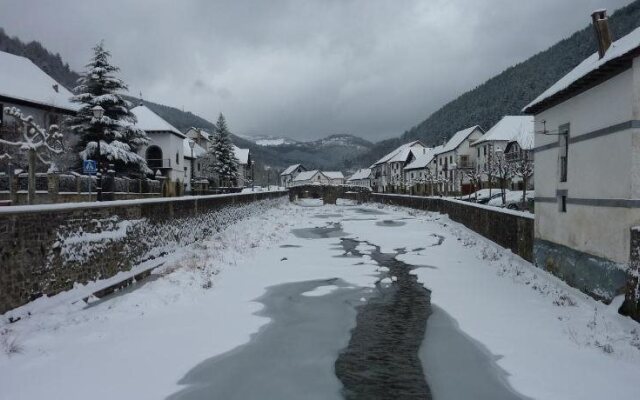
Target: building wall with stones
pixel 45 249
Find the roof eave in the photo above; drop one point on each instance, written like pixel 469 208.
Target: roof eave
pixel 606 71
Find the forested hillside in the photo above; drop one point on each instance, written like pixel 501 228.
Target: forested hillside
pixel 511 90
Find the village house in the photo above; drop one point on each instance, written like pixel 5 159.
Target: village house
pixel 496 139
pixel 25 86
pixel 361 177
pixel 388 174
pixel 194 165
pixel 287 176
pixel 423 170
pixel 317 177
pixel 456 157
pixel 518 152
pixel 200 136
pixel 165 151
pixel 245 167
pixel 587 170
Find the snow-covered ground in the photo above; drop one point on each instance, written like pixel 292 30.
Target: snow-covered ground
pixel 553 341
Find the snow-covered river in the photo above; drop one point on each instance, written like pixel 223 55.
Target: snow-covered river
pixel 320 302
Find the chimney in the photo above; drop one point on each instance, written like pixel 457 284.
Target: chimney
pixel 601 27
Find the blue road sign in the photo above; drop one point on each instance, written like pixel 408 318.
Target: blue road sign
pixel 89 167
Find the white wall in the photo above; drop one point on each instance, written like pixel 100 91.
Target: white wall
pixel 600 168
pixel 171 146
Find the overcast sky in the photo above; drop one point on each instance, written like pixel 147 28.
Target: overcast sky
pixel 303 69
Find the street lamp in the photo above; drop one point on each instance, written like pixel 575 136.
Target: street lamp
pixel 192 144
pixel 98 112
pixel 253 175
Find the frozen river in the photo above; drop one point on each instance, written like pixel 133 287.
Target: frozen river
pixel 305 301
pixel 328 339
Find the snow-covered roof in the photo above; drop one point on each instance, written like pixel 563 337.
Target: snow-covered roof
pixel 290 169
pixel 424 159
pixel 241 154
pixel 592 64
pixel 457 139
pixel 333 174
pixel 198 151
pixel 364 173
pixel 508 129
pixel 398 153
pixel 305 175
pixel 205 135
pixel 525 140
pixel 21 79
pixel 149 121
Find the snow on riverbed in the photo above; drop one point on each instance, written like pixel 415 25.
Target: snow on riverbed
pixel 553 341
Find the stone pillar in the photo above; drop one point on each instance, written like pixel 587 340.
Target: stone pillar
pixel 53 187
pixel 31 155
pixel 109 184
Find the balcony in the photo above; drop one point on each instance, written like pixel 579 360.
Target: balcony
pixel 159 163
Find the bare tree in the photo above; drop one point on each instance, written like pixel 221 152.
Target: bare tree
pixel 475 178
pixel 37 142
pixel 523 168
pixel 502 170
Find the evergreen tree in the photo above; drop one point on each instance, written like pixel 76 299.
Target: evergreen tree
pixel 226 163
pixel 119 138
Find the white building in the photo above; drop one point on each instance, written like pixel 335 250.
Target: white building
pixel 587 169
pixel 194 165
pixel 520 151
pixel 245 166
pixel 456 157
pixel 316 177
pixel 287 176
pixel 388 171
pixel 165 151
pixel 335 177
pixel 497 138
pixel 423 169
pixel 25 86
pixel 361 177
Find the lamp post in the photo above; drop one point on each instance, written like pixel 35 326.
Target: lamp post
pixel 253 175
pixel 98 112
pixel 192 144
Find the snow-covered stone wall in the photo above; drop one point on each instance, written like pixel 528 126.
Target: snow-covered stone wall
pixel 46 249
pixel 510 229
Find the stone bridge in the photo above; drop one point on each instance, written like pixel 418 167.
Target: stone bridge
pixel 329 193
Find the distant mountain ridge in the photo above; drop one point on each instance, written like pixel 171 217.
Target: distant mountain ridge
pixel 508 92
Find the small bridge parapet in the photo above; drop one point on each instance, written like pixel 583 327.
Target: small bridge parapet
pixel 329 193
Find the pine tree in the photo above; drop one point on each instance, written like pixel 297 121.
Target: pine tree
pixel 119 138
pixel 226 163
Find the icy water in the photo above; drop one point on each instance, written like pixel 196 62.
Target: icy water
pixel 381 361
pixel 329 340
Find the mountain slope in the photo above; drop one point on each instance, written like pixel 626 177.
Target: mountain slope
pixel 509 91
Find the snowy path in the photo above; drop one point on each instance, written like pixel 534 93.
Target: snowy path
pixel 277 299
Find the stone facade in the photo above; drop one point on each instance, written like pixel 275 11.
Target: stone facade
pixel 44 250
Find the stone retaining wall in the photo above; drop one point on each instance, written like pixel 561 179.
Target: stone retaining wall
pixel 45 249
pixel 510 229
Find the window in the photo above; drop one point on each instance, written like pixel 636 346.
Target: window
pixel 450 159
pixel 198 167
pixel 177 158
pixel 564 151
pixel 478 152
pixel 52 119
pixel 484 150
pixel 562 203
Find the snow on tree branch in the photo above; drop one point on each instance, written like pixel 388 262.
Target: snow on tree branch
pixel 35 138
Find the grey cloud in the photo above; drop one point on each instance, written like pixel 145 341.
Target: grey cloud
pixel 299 68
